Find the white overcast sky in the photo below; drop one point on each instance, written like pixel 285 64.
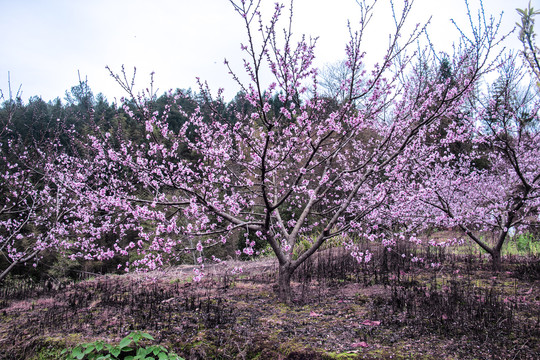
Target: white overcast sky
pixel 44 43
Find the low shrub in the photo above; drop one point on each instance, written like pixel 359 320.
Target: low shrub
pixel 129 348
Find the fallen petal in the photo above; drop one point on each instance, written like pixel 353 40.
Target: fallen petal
pixel 360 344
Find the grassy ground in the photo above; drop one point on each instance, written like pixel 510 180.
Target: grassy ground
pixel 390 308
pixel 519 245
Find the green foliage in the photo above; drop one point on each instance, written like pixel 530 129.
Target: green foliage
pixel 301 247
pixel 527 22
pixel 527 37
pixel 64 268
pixel 526 244
pixel 47 354
pixel 129 348
pixel 522 245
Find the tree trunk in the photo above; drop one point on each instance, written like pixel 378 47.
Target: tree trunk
pixel 495 251
pixel 284 283
pixel 496 259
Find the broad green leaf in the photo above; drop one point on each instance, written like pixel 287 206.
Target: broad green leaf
pixel 147 336
pixel 89 349
pixel 77 353
pixel 125 341
pixel 158 350
pixel 142 352
pixel 115 351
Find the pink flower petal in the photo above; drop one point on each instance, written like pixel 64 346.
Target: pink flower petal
pixel 362 344
pixel 371 322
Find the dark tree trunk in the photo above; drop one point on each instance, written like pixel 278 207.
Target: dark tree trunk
pixel 494 252
pixel 496 259
pixel 284 283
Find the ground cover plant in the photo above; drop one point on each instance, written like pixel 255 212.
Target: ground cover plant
pixel 129 348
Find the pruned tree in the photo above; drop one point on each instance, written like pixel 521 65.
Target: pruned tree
pixel 495 185
pixel 49 187
pixel 316 169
